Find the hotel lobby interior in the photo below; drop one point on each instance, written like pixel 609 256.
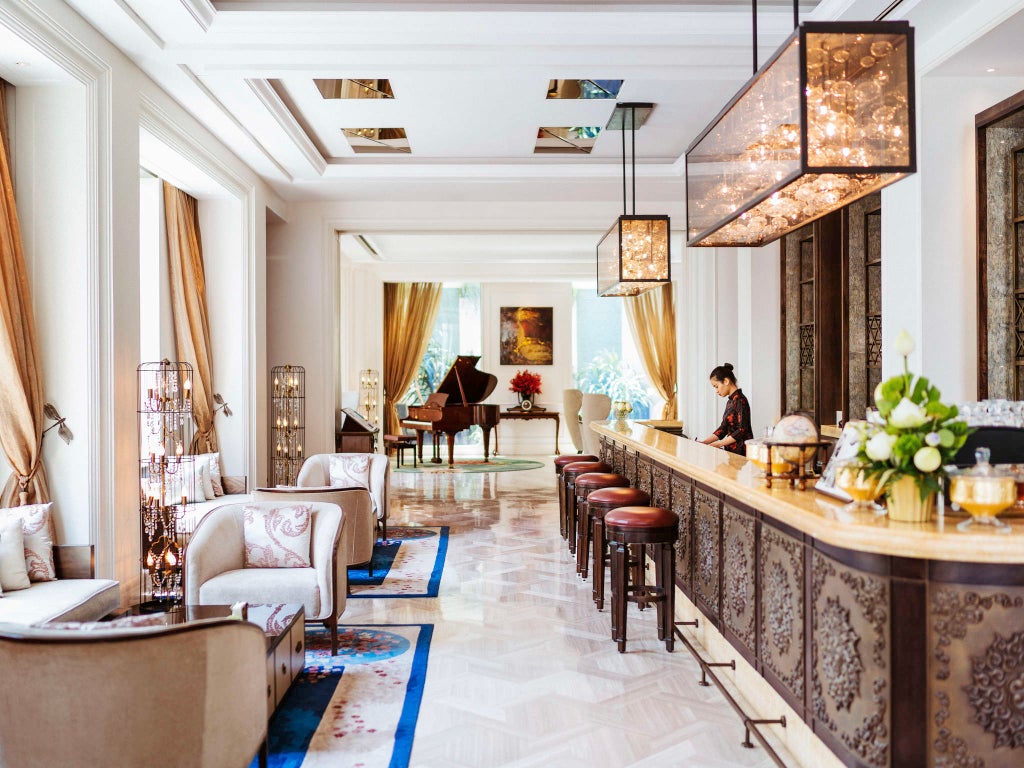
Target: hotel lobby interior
pixel 228 228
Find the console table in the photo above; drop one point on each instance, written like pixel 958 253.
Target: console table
pixel 896 644
pixel 527 416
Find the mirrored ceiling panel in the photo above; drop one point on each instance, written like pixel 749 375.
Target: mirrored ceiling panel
pixel 377 140
pixel 584 89
pixel 346 88
pixel 566 141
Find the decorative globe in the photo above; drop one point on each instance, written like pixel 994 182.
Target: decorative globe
pixel 795 428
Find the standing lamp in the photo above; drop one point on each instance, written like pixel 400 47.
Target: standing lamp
pixel 166 475
pixel 633 256
pixel 827 120
pixel 287 422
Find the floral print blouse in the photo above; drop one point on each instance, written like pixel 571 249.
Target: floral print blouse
pixel 736 422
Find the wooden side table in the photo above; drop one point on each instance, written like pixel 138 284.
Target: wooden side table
pixel 528 416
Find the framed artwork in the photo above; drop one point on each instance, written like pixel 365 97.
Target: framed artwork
pixel 846 448
pixel 526 336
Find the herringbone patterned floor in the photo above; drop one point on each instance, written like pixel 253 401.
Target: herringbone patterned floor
pixel 522 669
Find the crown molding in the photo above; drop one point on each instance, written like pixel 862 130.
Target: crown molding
pixel 273 103
pixel 203 11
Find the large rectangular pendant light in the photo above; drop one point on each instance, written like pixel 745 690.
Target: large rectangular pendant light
pixel 828 119
pixel 633 255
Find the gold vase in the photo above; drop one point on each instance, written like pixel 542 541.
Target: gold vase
pixel 903 500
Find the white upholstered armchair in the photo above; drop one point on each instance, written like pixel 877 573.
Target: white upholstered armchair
pixel 365 470
pixel 572 401
pixel 216 571
pixel 84 698
pixel 596 407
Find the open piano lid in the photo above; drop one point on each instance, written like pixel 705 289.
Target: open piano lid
pixel 349 421
pixel 476 384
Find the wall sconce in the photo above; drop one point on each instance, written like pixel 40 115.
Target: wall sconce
pixel 633 256
pixel 827 120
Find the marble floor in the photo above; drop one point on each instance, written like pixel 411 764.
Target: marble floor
pixel 522 671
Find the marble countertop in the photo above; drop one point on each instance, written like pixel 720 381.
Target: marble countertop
pixel 817 515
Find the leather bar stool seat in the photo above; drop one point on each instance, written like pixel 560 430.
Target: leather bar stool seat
pixel 600 503
pixel 644 527
pixel 560 462
pixel 585 485
pixel 569 474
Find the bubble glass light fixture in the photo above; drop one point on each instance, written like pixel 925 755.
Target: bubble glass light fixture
pixel 828 119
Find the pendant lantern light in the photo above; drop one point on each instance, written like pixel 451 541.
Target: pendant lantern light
pixel 633 256
pixel 827 120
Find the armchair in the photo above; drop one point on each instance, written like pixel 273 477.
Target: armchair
pixel 356 505
pixel 215 572
pixel 572 401
pixel 82 698
pixel 596 407
pixel 316 471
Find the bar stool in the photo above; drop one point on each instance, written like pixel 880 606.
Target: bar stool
pixel 569 474
pixel 560 462
pixel 600 503
pixel 585 485
pixel 643 526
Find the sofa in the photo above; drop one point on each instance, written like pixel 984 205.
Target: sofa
pixel 351 470
pixel 74 596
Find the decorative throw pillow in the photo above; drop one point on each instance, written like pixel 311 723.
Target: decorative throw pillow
pixel 350 470
pixel 215 488
pixel 277 537
pixel 13 575
pixel 192 484
pixel 37 531
pixel 233 484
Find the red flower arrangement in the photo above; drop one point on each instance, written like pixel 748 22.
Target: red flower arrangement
pixel 525 384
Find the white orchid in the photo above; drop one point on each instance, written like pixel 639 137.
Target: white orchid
pixel 907 415
pixel 879 447
pixel 904 343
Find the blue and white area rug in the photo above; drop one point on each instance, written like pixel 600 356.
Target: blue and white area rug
pixel 357 709
pixel 407 564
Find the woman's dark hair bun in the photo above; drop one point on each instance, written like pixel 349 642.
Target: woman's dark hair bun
pixel 727 366
pixel 724 372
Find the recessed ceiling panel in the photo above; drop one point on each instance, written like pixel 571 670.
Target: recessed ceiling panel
pixel 377 140
pixel 584 89
pixel 348 88
pixel 566 141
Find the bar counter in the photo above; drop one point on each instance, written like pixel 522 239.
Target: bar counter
pixel 898 644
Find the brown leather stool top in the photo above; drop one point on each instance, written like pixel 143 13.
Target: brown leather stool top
pixel 599 503
pixel 588 483
pixel 582 467
pixel 643 518
pixel 572 458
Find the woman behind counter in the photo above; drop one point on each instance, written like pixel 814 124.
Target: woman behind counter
pixel 735 427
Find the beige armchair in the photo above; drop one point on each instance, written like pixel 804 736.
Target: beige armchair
pixel 596 407
pixel 215 572
pixel 572 400
pixel 355 503
pixel 316 471
pixel 85 698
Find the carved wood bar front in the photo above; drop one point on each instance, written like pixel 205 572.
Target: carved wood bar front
pixel 900 645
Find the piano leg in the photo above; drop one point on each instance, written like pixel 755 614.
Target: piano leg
pixel 435 442
pixel 487 442
pixel 419 444
pixel 450 439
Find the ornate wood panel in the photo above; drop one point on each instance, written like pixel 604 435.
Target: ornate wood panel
pixel 707 560
pixel 617 454
pixel 629 465
pixel 976 679
pixel 682 497
pixel 851 688
pixel 606 450
pixel 782 600
pixel 644 468
pixel 661 485
pixel 739 580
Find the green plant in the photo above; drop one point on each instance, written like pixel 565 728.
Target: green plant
pixel 916 434
pixel 607 374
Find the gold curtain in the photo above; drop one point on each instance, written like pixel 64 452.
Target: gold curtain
pixel 188 304
pixel 652 320
pixel 409 313
pixel 21 385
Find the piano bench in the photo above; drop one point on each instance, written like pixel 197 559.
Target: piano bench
pixel 399 443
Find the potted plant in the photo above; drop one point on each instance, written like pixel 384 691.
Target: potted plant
pixel 527 386
pixel 910 440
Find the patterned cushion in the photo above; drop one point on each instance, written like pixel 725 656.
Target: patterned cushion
pixel 37 528
pixel 277 537
pixel 350 471
pixel 216 487
pixel 13 575
pixel 142 620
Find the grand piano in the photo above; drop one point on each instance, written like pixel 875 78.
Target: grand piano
pixel 454 407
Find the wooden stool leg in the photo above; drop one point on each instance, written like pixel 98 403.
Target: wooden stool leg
pixel 570 516
pixel 620 593
pixel 582 537
pixel 600 550
pixel 561 507
pixel 637 575
pixel 658 556
pixel 669 583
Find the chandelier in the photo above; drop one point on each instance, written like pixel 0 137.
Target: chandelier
pixel 827 120
pixel 633 256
